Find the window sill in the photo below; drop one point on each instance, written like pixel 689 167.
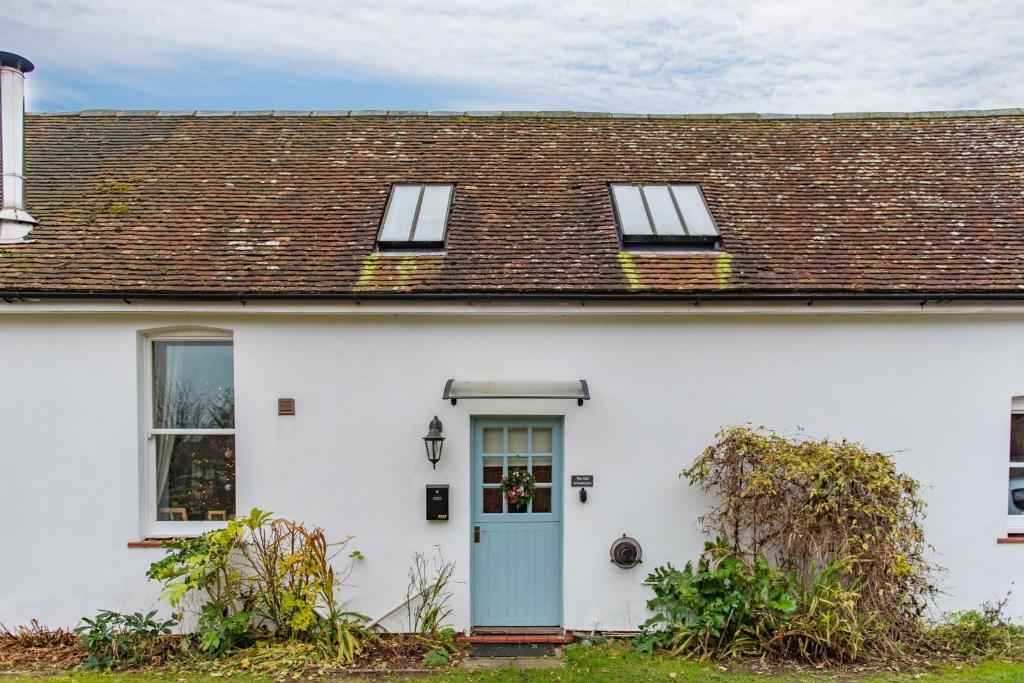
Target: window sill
pixel 150 542
pixel 1011 539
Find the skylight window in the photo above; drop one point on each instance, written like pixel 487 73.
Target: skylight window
pixel 416 217
pixel 663 215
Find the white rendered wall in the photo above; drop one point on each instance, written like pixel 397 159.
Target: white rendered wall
pixel 933 390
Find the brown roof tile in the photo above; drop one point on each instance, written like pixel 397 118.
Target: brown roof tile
pixel 285 204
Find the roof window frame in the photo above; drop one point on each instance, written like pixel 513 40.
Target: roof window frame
pixel 684 242
pixel 412 245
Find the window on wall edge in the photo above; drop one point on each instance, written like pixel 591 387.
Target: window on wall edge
pixel 1015 468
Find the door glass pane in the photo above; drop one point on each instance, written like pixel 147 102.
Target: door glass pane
pixel 193 385
pixel 663 211
pixel 433 213
pixel 1017 438
pixel 493 442
pixel 517 440
pixel 630 207
pixel 541 440
pixel 492 470
pixel 516 463
pixel 542 500
pixel 542 469
pixel 401 209
pixel 492 500
pixel 195 477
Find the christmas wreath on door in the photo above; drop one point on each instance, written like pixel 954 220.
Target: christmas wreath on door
pixel 518 487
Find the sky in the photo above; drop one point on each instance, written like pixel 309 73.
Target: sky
pixel 656 56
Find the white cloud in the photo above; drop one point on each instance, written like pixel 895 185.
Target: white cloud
pixel 641 55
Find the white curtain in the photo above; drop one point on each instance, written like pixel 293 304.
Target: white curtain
pixel 169 394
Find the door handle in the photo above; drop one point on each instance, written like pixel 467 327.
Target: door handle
pixel 476 534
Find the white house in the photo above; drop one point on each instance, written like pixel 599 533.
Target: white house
pixel 203 312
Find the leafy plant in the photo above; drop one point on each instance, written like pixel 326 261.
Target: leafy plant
pixel 436 658
pixel 210 564
pixel 220 633
pixel 113 639
pixel 718 607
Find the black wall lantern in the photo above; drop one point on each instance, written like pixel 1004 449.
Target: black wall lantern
pixel 434 442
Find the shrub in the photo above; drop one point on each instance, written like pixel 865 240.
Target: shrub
pixel 114 639
pixel 718 608
pixel 263 576
pixel 809 504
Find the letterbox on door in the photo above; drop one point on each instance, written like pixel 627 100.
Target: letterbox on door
pixel 437 502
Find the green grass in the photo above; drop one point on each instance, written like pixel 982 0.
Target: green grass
pixel 599 665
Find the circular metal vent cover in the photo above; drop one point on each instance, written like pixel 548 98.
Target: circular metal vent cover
pixel 626 552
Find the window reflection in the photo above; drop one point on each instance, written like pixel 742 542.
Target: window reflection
pixel 193 389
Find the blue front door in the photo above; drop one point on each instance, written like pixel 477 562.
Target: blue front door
pixel 516 558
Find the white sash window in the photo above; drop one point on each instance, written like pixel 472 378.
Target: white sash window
pixel 189 464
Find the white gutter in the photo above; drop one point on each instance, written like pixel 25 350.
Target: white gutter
pixel 496 308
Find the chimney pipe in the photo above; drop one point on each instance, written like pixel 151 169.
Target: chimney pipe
pixel 15 222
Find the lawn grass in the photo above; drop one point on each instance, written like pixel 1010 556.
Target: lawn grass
pixel 605 664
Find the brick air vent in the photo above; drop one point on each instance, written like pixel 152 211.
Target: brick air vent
pixel 286 406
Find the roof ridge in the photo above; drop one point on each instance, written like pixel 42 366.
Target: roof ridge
pixel 937 114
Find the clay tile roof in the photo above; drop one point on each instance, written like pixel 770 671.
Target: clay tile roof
pixel 289 203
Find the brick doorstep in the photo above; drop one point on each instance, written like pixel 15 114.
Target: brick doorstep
pixel 515 639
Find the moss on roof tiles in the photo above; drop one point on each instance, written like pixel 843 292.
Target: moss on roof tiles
pixel 846 203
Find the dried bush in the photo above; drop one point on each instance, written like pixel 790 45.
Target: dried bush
pixel 35 635
pixel 38 648
pixel 810 504
pixel 292 587
pixel 826 625
pixel 428 595
pixel 426 601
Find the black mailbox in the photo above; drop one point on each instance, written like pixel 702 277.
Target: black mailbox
pixel 437 502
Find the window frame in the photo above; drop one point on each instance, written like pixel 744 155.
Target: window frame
pixel 410 244
pixel 149 525
pixel 1014 523
pixel 685 242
